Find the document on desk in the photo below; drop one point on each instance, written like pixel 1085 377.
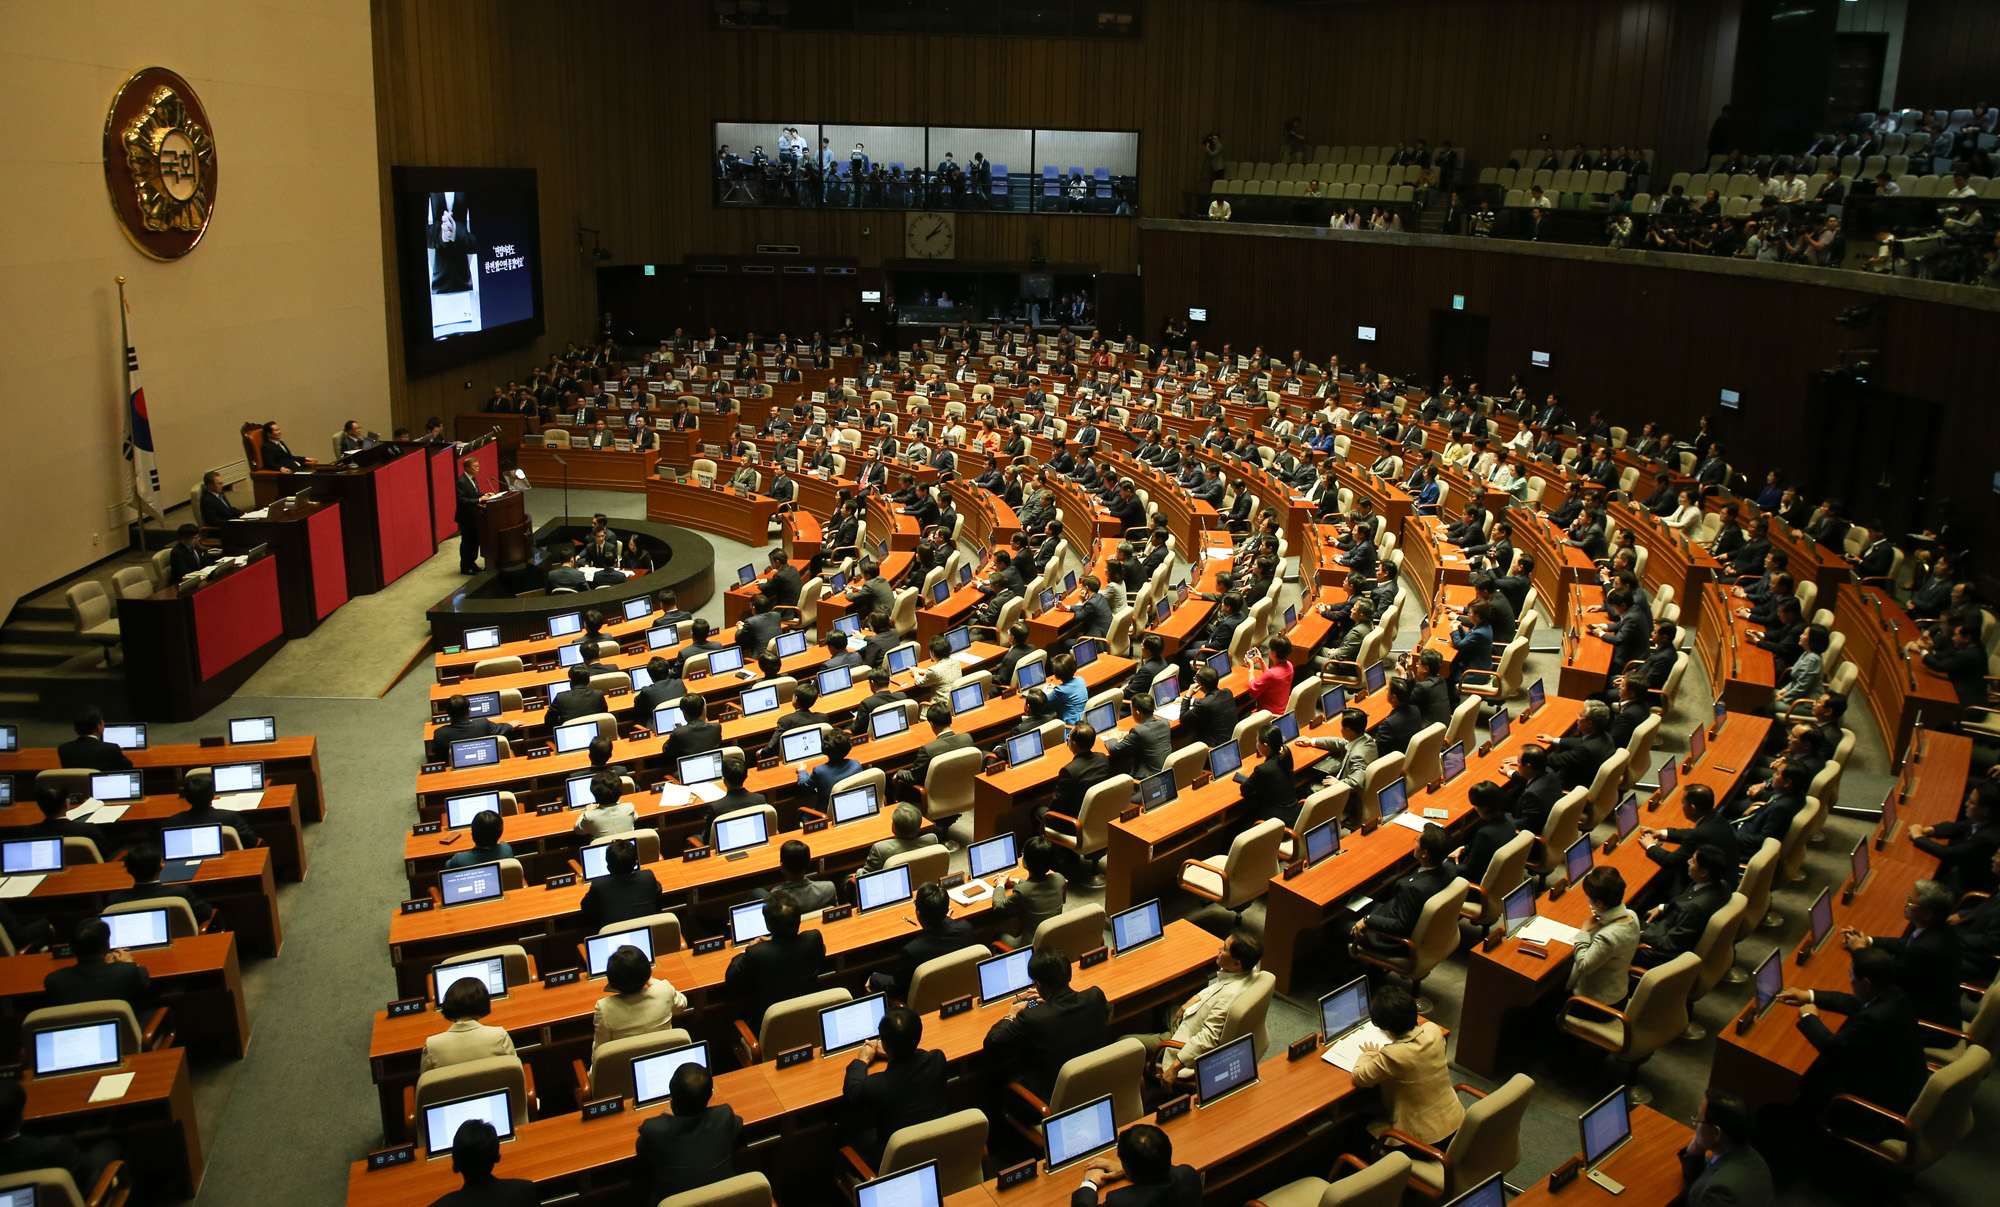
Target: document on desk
pixel 19 886
pixel 1221 553
pixel 1410 821
pixel 258 514
pixel 240 802
pixel 673 796
pixel 112 1086
pixel 1547 930
pixel 968 658
pixel 106 814
pixel 1169 712
pixel 708 793
pixel 1347 1051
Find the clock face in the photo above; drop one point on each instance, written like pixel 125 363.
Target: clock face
pixel 930 236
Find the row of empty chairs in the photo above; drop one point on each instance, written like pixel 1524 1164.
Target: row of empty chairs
pixel 1329 192
pixel 1597 182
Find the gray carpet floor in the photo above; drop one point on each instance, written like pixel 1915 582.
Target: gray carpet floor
pixel 283 1124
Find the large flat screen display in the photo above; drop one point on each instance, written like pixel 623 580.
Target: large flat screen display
pixel 469 259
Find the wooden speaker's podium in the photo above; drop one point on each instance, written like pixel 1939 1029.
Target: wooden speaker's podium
pixel 503 530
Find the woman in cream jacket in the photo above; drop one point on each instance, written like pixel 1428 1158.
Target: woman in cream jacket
pixel 1411 1069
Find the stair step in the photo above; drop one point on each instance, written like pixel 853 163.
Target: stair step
pixel 14 654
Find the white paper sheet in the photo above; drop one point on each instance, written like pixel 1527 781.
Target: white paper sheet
pixel 1344 1054
pixel 19 886
pixel 240 802
pixel 1548 930
pixel 112 1086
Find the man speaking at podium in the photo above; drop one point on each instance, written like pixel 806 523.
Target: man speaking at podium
pixel 467 515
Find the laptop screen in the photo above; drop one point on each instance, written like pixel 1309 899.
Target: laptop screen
pixel 1024 748
pixel 1393 799
pixel 849 625
pixel 490 972
pixel 1490 1193
pixel 801 743
pixel 577 792
pixel 140 928
pixel 1079 1132
pixel 1030 674
pixel 1377 678
pixel 667 718
pixel 1162 610
pixel 598 948
pixel 571 654
pixel 917 1187
pixel 1165 688
pixel 10 737
pixel 76 1049
pixel 759 700
pixel 119 785
pixel 993 855
pixel 1333 702
pixel 1103 718
pixel 701 768
pixel 1287 725
pixel 1536 696
pixel 940 590
pixel 258 729
pixel 850 1023
pixel 966 699
pixel 483 704
pixel 1136 927
pixel 902 658
pixel 1697 744
pixel 1605 1126
pixel 1344 1009
pixel 964 574
pixel 1224 759
pixel 1048 601
pixel 1821 914
pixel 239 777
pixel 959 639
pixel 1670 777
pixel 662 636
pixel 741 833
pixel 475 752
pixel 1069 582
pixel 126 737
pixel 1225 1069
pixel 1003 976
pixel 596 864
pixel 463 886
pixel 1454 761
pixel 1859 860
pixel 482 639
pixel 191 842
pixel 1322 842
pixel 745 575
pixel 1220 661
pixel 653 1076
pixel 1499 727
pixel 1579 859
pixel 746 922
pixel 1157 790
pixel 839 679
pixel 1628 815
pixel 790 645
pixel 1770 979
pixel 888 722
pixel 722 661
pixel 641 678
pixel 460 810
pixel 638 609
pixel 565 624
pixel 889 886
pixel 855 804
pixel 1085 651
pixel 572 738
pixel 1518 906
pixel 442 1121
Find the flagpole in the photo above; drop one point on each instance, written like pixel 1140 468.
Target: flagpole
pixel 125 363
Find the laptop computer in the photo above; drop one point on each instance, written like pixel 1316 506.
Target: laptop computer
pixel 597 949
pixel 184 848
pixel 1224 759
pixel 877 890
pixel 855 804
pixel 1769 981
pixel 1003 977
pixel 700 768
pixel 1222 1071
pixel 490 971
pixel 969 698
pixel 565 624
pixel 746 922
pixel 248 730
pixel 571 738
pixel 916 1186
pixel 1157 790
pixel 83 1048
pixel 790 645
pixel 742 833
pixel 126 737
pixel 1605 1128
pixel 1322 842
pixel 993 855
pixel 653 1075
pixel 466 886
pixel 474 752
pixel 1134 928
pixel 1024 748
pixel 662 636
pixel 1345 1025
pixel 1030 674
pixel 1082 1131
pixel 851 1023
pixel 115 786
pixel 442 1120
pixel 801 744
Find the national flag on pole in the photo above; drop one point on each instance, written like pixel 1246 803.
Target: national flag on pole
pixel 138 425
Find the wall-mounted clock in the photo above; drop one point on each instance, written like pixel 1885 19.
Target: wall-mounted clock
pixel 928 236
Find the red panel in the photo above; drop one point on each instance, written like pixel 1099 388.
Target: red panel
pixel 329 557
pixel 403 515
pixel 444 493
pixel 489 470
pixel 236 616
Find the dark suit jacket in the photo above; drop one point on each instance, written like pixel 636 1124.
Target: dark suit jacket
pixel 574 703
pixel 1398 909
pixel 927 945
pixel 215 509
pixel 684 1153
pixel 1575 760
pixel 185 560
pixel 944 743
pixel 1531 807
pixel 1037 1043
pixel 101 981
pixel 753 633
pixel 1965 855
pixel 94 753
pixel 1210 719
pixel 21 1153
pixel 1181 1189
pixel 1270 790
pixel 648 701
pixel 774 970
pixel 898 1095
pixel 783 586
pixel 1738 1178
pixel 1080 775
pixel 211 816
pixel 153 888
pixel 874 701
pixel 696 737
pixel 1395 730
pixel 1927 969
pixel 474 727
pixel 1877 1054
pixel 1485 839
pixel 1710 831
pixel 620 898
pixel 1679 926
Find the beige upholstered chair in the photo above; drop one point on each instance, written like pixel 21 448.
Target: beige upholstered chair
pixel 946 977
pixel 1507 868
pixel 789 1024
pixel 609 1073
pixel 1487 1142
pixel 55 1187
pixel 469 1079
pixel 1656 1016
pixel 957 1142
pixel 1073 931
pixel 1087 833
pixel 1937 1122
pixel 1434 937
pixel 181 923
pixel 743 1190
pixel 133 1036
pixel 1716 949
pixel 1244 874
pixel 1117 1069
pixel 1377 1185
pixel 90 612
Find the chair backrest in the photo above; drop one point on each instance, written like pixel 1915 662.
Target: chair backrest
pixel 89 606
pixel 1186 763
pixel 1246 1013
pixel 1381 773
pixel 1639 751
pixel 1658 1011
pixel 611 1061
pixel 487 668
pixel 1604 789
pixel 1464 727
pixel 1507 868
pixel 78 849
pixel 939 980
pixel 743 1190
pixel 1117 1069
pixel 71 780
pixel 1325 804
pixel 794 1022
pixel 513 962
pixel 1489 1139
pixel 1423 758
pixel 133 582
pixel 1760 874
pixel 1101 805
pixel 666 930
pixel 53 1187
pixel 49 1018
pixel 1804 823
pixel 470 1078
pixel 181 922
pixel 1942 1114
pixel 1379 1185
pixel 927 864
pixel 957 1142
pixel 1252 861
pixel 1716 949
pixel 1249 729
pixel 1436 932
pixel 1513 660
pixel 948 783
pixel 1073 931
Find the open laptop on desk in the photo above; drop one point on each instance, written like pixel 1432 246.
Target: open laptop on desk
pixel 1605 1128
pixel 83 1048
pixel 442 1120
pixel 185 847
pixel 1083 1131
pixel 653 1076
pixel 1222 1071
pixel 1344 1024
pixel 598 948
pixel 138 929
pixel 913 1187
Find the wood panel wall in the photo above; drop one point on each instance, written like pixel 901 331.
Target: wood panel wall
pixel 1639 342
pixel 1949 51
pixel 612 101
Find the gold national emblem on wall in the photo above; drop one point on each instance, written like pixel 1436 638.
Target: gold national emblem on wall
pixel 159 163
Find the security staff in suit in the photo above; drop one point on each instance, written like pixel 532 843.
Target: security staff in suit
pixel 188 556
pixel 892 1083
pixel 1049 1025
pixel 89 749
pixel 465 513
pixel 461 724
pixel 581 700
pixel 278 455
pixel 782 966
pixel 694 1143
pixel 938 934
pixel 1927 957
pixel 1398 909
pixel 1145 1162
pixel 1718 1166
pixel 216 508
pixel 99 974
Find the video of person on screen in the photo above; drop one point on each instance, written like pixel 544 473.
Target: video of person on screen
pixel 477 255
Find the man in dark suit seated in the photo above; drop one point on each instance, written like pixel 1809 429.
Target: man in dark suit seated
pixel 1049 1025
pixel 778 968
pixel 581 700
pixel 1878 1052
pixel 693 1144
pixel 1397 910
pixel 1087 767
pixel 563 571
pixel 1531 790
pixel 938 934
pixel 187 556
pixel 627 892
pixel 1675 926
pixel 1145 1161
pixel 665 688
pixel 475 1150
pixel 1718 1166
pixel 1965 849
pixel 695 736
pixel 784 583
pixel 907 1090
pixel 1927 956
pixel 760 628
pixel 1492 830
pixel 802 716
pixel 1395 730
pixel 142 864
pixel 54 803
pixel 1673 848
pixel 88 749
pixel 20 1153
pixel 216 509
pixel 461 724
pixel 198 790
pixel 734 796
pixel 99 974
pixel 1576 758
pixel 278 455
